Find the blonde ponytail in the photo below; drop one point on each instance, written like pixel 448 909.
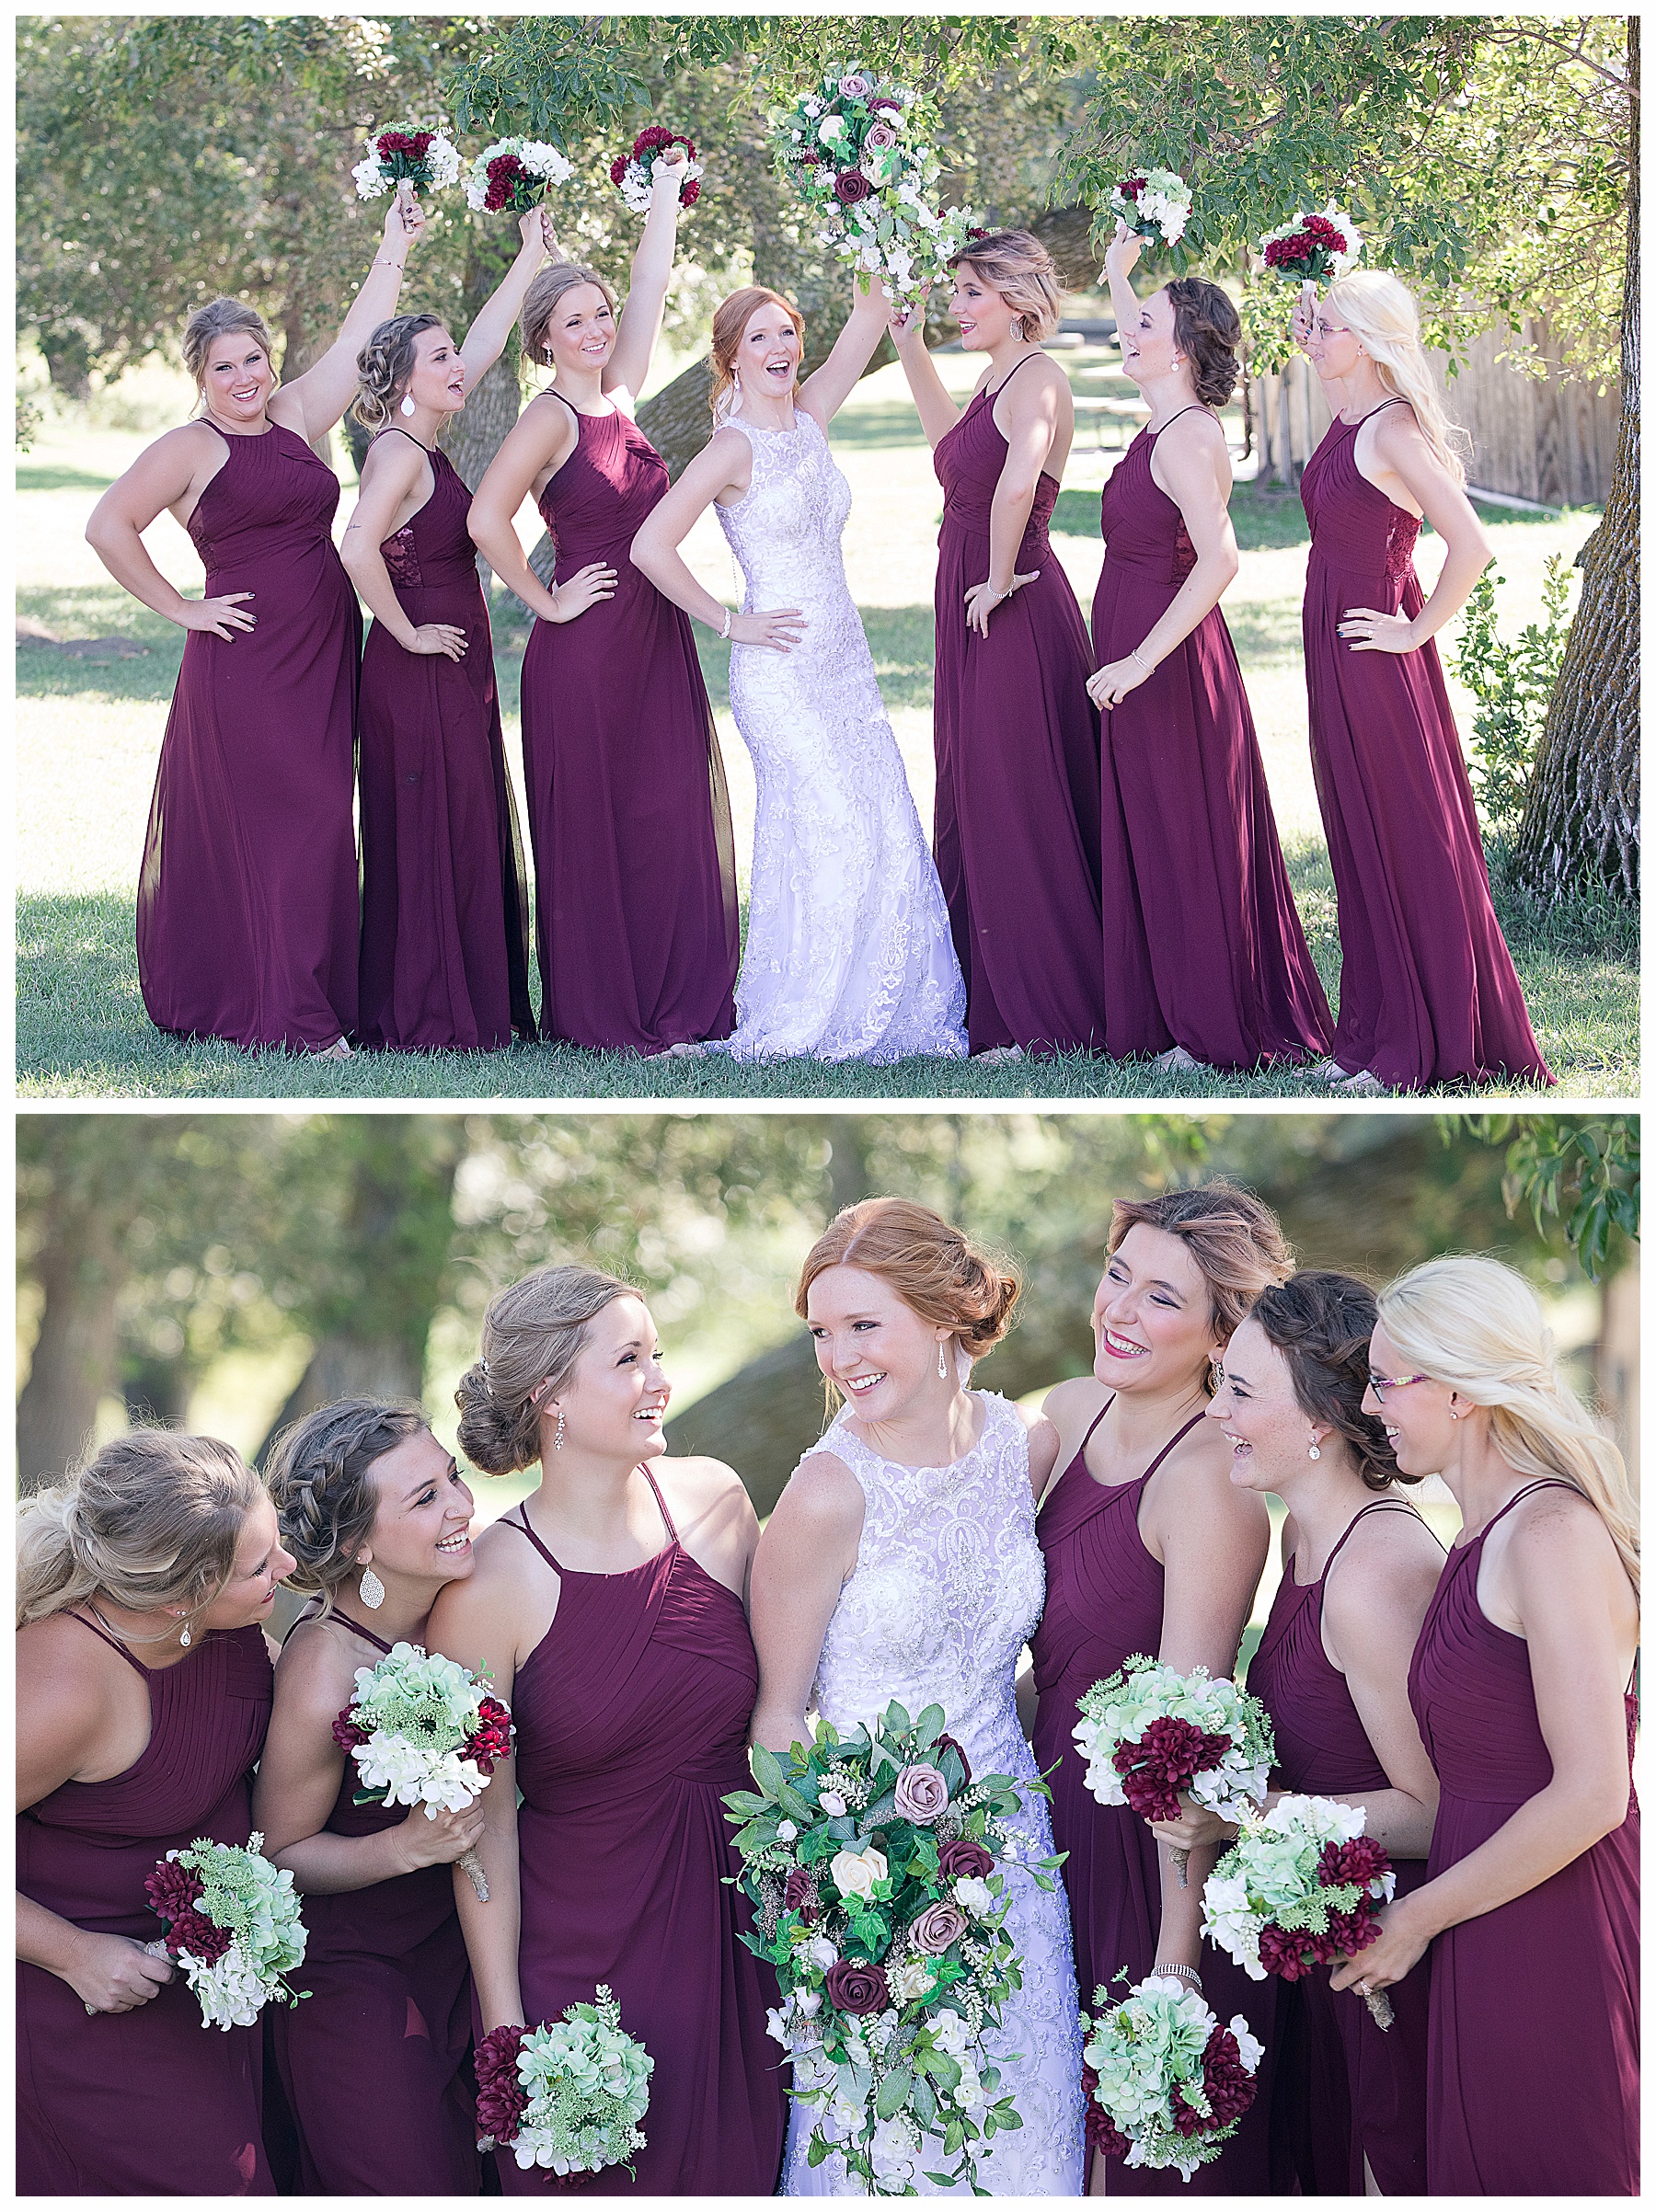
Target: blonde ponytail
pixel 1380 313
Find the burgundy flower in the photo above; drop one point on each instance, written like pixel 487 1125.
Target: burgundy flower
pixel 1290 1956
pixel 853 1986
pixel 175 1892
pixel 618 168
pixel 1165 1760
pixel 1350 1933
pixel 1230 2089
pixel 491 1739
pixel 885 100
pixel 1361 1861
pixel 964 1858
pixel 411 145
pixel 974 231
pixel 948 1743
pixel 800 1895
pixel 506 174
pixel 1102 2133
pixel 348 1734
pixel 937 1927
pixel 1130 186
pixel 502 2099
pixel 850 186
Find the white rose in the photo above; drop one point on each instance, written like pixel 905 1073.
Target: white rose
pixel 973 1895
pixel 830 128
pixel 854 1874
pixel 820 1953
pixel 949 2034
pixel 969 2092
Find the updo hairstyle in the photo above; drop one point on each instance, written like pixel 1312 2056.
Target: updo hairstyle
pixel 932 1268
pixel 1020 268
pixel 385 366
pixel 1321 1324
pixel 546 287
pixel 217 319
pixel 318 1473
pixel 533 1335
pixel 1234 1238
pixel 730 318
pixel 1207 330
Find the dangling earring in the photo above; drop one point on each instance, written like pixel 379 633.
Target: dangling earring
pixel 942 1371
pixel 184 1637
pixel 1314 1453
pixel 407 406
pixel 371 1590
pixel 557 1438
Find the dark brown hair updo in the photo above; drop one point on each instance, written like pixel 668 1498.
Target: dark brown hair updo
pixel 1234 1238
pixel 217 319
pixel 932 1268
pixel 1207 330
pixel 730 318
pixel 1321 1324
pixel 540 303
pixel 385 366
pixel 1016 265
pixel 318 1473
pixel 533 1335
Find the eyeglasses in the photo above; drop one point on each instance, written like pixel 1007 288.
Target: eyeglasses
pixel 1380 1384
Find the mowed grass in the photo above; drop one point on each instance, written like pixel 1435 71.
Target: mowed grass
pixel 90 730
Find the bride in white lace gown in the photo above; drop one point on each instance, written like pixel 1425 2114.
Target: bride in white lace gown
pixel 848 953
pixel 902 1562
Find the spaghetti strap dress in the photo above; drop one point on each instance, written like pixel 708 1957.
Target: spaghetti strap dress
pixel 1104 1602
pixel 1202 942
pixel 1343 2088
pixel 632 1715
pixel 248 913
pixel 1016 826
pixel 147 2103
pixel 630 822
pixel 377 2061
pixel 1532 2042
pixel 445 948
pixel 1428 994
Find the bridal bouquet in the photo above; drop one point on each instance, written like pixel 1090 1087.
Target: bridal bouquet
pixel 1166 2083
pixel 232 1924
pixel 877 1868
pixel 514 174
pixel 405 155
pixel 568 2097
pixel 633 172
pixel 1313 249
pixel 424 1731
pixel 1148 1734
pixel 859 150
pixel 1298 1889
pixel 1156 205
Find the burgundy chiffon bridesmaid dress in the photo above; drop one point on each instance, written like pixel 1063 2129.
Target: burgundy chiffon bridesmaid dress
pixel 1533 2043
pixel 377 2060
pixel 248 914
pixel 632 1716
pixel 1015 823
pixel 147 2103
pixel 635 879
pixel 1428 992
pixel 446 949
pixel 1343 2088
pixel 1202 942
pixel 1104 1602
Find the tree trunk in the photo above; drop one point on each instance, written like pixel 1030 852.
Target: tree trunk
pixel 1581 819
pixel 80 1270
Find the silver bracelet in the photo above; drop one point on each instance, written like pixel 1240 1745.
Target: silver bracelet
pixel 1149 671
pixel 1185 1973
pixel 730 617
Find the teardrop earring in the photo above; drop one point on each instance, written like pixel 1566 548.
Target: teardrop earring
pixel 184 1638
pixel 1314 1453
pixel 408 403
pixel 942 1371
pixel 371 1590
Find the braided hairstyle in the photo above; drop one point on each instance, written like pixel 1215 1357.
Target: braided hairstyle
pixel 1321 1324
pixel 385 366
pixel 1207 330
pixel 533 1335
pixel 932 1266
pixel 318 1474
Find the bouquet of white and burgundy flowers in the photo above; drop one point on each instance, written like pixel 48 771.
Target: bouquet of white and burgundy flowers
pixel 568 2097
pixel 1148 1734
pixel 859 151
pixel 1298 1889
pixel 878 1869
pixel 514 175
pixel 1156 204
pixel 1167 2082
pixel 634 172
pixel 424 1731
pixel 1313 249
pixel 232 1924
pixel 406 153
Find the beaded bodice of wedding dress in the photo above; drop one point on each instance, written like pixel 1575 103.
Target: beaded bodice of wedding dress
pixel 848 952
pixel 946 1589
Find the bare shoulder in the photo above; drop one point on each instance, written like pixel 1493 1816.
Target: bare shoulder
pixel 702 1486
pixel 1390 1561
pixel 1071 1406
pixel 316 1672
pixel 1192 445
pixel 1041 1435
pixel 75 1664
pixel 1394 431
pixel 822 1496
pixel 1554 1526
pixel 1195 1478
pixel 725 463
pixel 392 463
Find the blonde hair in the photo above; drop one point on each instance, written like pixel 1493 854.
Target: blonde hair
pixel 1234 1238
pixel 385 366
pixel 936 1271
pixel 533 1335
pixel 730 318
pixel 1016 265
pixel 1381 314
pixel 214 321
pixel 1474 1324
pixel 540 303
pixel 320 1472
pixel 152 1519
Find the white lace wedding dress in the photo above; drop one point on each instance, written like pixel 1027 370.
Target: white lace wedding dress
pixel 948 1587
pixel 848 952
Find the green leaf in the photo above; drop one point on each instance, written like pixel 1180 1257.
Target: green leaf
pixel 894 2093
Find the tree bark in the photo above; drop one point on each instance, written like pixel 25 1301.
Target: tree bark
pixel 80 1270
pixel 1581 822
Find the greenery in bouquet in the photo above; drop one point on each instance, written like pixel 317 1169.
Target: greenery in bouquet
pixel 1150 1735
pixel 861 153
pixel 1167 2082
pixel 233 1925
pixel 568 2098
pixel 1156 203
pixel 513 175
pixel 1313 249
pixel 406 154
pixel 878 1869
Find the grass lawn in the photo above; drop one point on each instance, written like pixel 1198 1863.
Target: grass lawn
pixel 90 730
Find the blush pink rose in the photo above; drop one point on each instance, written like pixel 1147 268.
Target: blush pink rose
pixel 937 1927
pixel 922 1794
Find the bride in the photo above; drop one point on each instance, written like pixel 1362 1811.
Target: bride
pixel 849 951
pixel 901 1562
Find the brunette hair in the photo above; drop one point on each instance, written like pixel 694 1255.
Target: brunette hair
pixel 730 318
pixel 385 366
pixel 936 1271
pixel 1020 268
pixel 533 1335
pixel 1321 1324
pixel 540 303
pixel 1207 330
pixel 152 1519
pixel 318 1473
pixel 1234 1238
pixel 214 321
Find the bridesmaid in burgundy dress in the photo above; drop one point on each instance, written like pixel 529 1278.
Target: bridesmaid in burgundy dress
pixel 446 953
pixel 1428 994
pixel 1205 964
pixel 163 1546
pixel 248 914
pixel 635 879
pixel 1149 1549
pixel 1349 2100
pixel 375 2061
pixel 1520 1684
pixel 609 1610
pixel 1015 835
